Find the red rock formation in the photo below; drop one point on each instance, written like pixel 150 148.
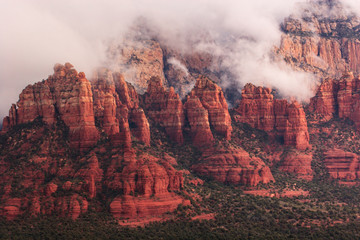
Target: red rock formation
pixel 123 138
pixel 325 101
pixel 11 208
pixel 11 120
pixel 50 189
pixel 92 174
pixel 140 127
pixel 233 166
pixel 342 165
pixel 344 96
pixel 125 207
pixel 117 102
pixel 149 178
pixel 213 100
pixel 259 109
pixel 316 41
pixel 296 131
pixel 74 103
pixel 197 116
pixel 70 94
pixel 127 93
pixel 144 57
pixel 165 108
pixel 299 164
pixel 144 175
pixel 105 100
pixel 344 101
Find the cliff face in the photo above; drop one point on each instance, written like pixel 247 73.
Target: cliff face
pixel 58 182
pixel 324 39
pixel 165 108
pixel 234 167
pixel 66 94
pixel 152 179
pixel 260 110
pixel 139 59
pixel 338 98
pixel 117 107
pixel 212 98
pixel 298 163
pixel 342 165
pixel 198 119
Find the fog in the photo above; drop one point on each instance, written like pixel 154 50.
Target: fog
pixel 39 33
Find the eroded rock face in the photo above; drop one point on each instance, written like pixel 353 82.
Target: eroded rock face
pixel 259 109
pixel 298 164
pixel 58 184
pixel 66 92
pixel 323 39
pixel 344 101
pixel 117 108
pixel 144 58
pixel 213 100
pixel 296 130
pixel 105 100
pixel 324 103
pixel 234 167
pixel 148 177
pixel 165 107
pixel 198 119
pixel 127 206
pixel 342 165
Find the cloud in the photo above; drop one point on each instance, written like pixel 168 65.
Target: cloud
pixel 178 65
pixel 39 33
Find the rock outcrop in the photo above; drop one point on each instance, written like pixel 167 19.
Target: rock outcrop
pixel 143 56
pixel 212 99
pixel 165 108
pixel 198 119
pixel 146 184
pixel 299 164
pixel 342 165
pixel 324 103
pixel 323 39
pixel 338 98
pixel 67 94
pixel 117 108
pixel 234 167
pixel 259 109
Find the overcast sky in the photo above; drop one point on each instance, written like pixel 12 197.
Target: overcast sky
pixel 37 34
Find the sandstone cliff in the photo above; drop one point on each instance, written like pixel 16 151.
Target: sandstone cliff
pixel 259 109
pixel 234 167
pixel 212 99
pixel 342 165
pixel 117 107
pixel 66 94
pixel 165 108
pixel 323 39
pixel 337 98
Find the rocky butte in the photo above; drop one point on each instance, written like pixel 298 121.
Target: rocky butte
pixel 260 110
pixel 68 113
pixel 338 98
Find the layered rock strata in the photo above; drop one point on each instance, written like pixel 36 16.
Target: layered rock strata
pixel 234 167
pixel 259 109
